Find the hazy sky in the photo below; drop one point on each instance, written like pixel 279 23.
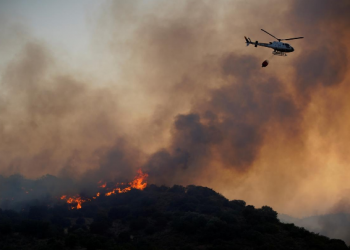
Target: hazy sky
pixel 61 23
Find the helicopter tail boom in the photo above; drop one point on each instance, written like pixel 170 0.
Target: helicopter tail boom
pixel 256 43
pixel 248 41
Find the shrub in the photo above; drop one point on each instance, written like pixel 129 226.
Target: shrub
pixel 118 212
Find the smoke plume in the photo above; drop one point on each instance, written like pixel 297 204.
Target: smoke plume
pixel 190 104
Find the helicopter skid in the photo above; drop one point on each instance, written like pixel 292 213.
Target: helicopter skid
pixel 279 53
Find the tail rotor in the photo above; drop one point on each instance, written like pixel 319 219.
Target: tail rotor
pixel 248 41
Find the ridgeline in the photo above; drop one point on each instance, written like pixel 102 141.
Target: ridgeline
pixel 157 218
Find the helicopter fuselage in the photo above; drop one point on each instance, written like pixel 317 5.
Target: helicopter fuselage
pixel 277 46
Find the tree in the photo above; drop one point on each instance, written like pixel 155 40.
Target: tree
pixel 80 221
pixel 71 241
pixel 100 225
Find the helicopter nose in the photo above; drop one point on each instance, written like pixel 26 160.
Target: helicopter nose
pixel 292 49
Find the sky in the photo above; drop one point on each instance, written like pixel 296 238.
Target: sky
pixel 93 90
pixel 61 23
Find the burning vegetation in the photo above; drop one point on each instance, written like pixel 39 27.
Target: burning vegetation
pixel 139 182
pixel 177 218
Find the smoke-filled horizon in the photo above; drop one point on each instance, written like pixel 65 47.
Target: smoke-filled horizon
pixel 175 92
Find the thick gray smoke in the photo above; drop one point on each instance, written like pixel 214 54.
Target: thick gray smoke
pixel 230 126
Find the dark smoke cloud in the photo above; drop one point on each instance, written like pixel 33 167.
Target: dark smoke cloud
pixel 231 124
pixel 324 60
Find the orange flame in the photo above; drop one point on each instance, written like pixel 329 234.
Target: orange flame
pixel 139 182
pixel 97 195
pixel 74 200
pixel 103 185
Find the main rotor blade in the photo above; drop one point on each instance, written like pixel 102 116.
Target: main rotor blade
pixel 270 34
pixel 292 38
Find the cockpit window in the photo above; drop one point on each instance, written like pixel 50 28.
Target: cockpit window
pixel 287 45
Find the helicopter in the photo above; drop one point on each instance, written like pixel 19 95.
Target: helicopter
pixel 279 48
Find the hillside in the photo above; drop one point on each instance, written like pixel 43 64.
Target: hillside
pixel 330 225
pixel 155 218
